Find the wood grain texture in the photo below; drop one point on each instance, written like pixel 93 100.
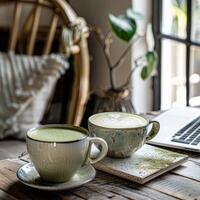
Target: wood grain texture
pixel 195 158
pixel 117 190
pixel 104 187
pixel 81 83
pixel 35 26
pixel 177 186
pixel 11 148
pixel 6 196
pixel 4 154
pixel 87 193
pixel 15 26
pixel 83 94
pixel 74 95
pixel 135 190
pixel 190 170
pixel 51 34
pixel 69 196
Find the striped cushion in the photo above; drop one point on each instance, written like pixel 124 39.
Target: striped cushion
pixel 26 84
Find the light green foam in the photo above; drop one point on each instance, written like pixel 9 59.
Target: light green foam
pixel 56 135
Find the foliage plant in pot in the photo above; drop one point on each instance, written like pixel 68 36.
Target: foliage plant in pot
pixel 124 27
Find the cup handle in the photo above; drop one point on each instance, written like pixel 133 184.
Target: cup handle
pixel 102 153
pixel 154 130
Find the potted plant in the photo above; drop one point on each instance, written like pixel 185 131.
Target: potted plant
pixel 124 27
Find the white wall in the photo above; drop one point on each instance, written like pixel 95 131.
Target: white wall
pixel 142 90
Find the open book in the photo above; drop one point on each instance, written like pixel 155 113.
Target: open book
pixel 144 165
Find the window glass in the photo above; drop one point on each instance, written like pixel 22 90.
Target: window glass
pixel 195 29
pixel 174 18
pixel 173 74
pixel 195 77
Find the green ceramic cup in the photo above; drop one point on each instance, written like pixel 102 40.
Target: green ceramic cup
pixel 123 141
pixel 57 161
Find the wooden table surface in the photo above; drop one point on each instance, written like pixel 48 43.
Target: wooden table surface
pixel 181 183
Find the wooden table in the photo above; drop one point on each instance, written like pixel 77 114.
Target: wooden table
pixel 181 183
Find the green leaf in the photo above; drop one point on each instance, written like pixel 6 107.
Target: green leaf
pixel 151 59
pixel 134 15
pixel 144 73
pixel 123 27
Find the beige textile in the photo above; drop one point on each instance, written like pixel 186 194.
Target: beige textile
pixel 26 85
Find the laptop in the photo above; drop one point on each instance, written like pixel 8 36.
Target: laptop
pixel 179 128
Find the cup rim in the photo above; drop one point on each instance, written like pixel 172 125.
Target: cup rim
pixel 68 126
pixel 123 128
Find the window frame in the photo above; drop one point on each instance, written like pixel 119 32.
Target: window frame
pixel 158 35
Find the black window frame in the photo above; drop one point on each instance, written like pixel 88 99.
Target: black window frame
pixel 158 35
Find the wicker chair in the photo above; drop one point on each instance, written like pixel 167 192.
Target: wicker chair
pixel 62 16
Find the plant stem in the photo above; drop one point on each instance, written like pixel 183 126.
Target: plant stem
pixel 121 58
pixel 111 79
pixel 106 55
pixel 131 73
pixel 104 42
pixel 99 40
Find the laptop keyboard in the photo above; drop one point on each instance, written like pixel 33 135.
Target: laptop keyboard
pixel 189 134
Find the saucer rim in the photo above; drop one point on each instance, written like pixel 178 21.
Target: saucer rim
pixel 61 186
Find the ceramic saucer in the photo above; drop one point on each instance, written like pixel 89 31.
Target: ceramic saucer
pixel 28 175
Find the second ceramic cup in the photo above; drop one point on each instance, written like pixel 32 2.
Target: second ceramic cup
pixel 122 141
